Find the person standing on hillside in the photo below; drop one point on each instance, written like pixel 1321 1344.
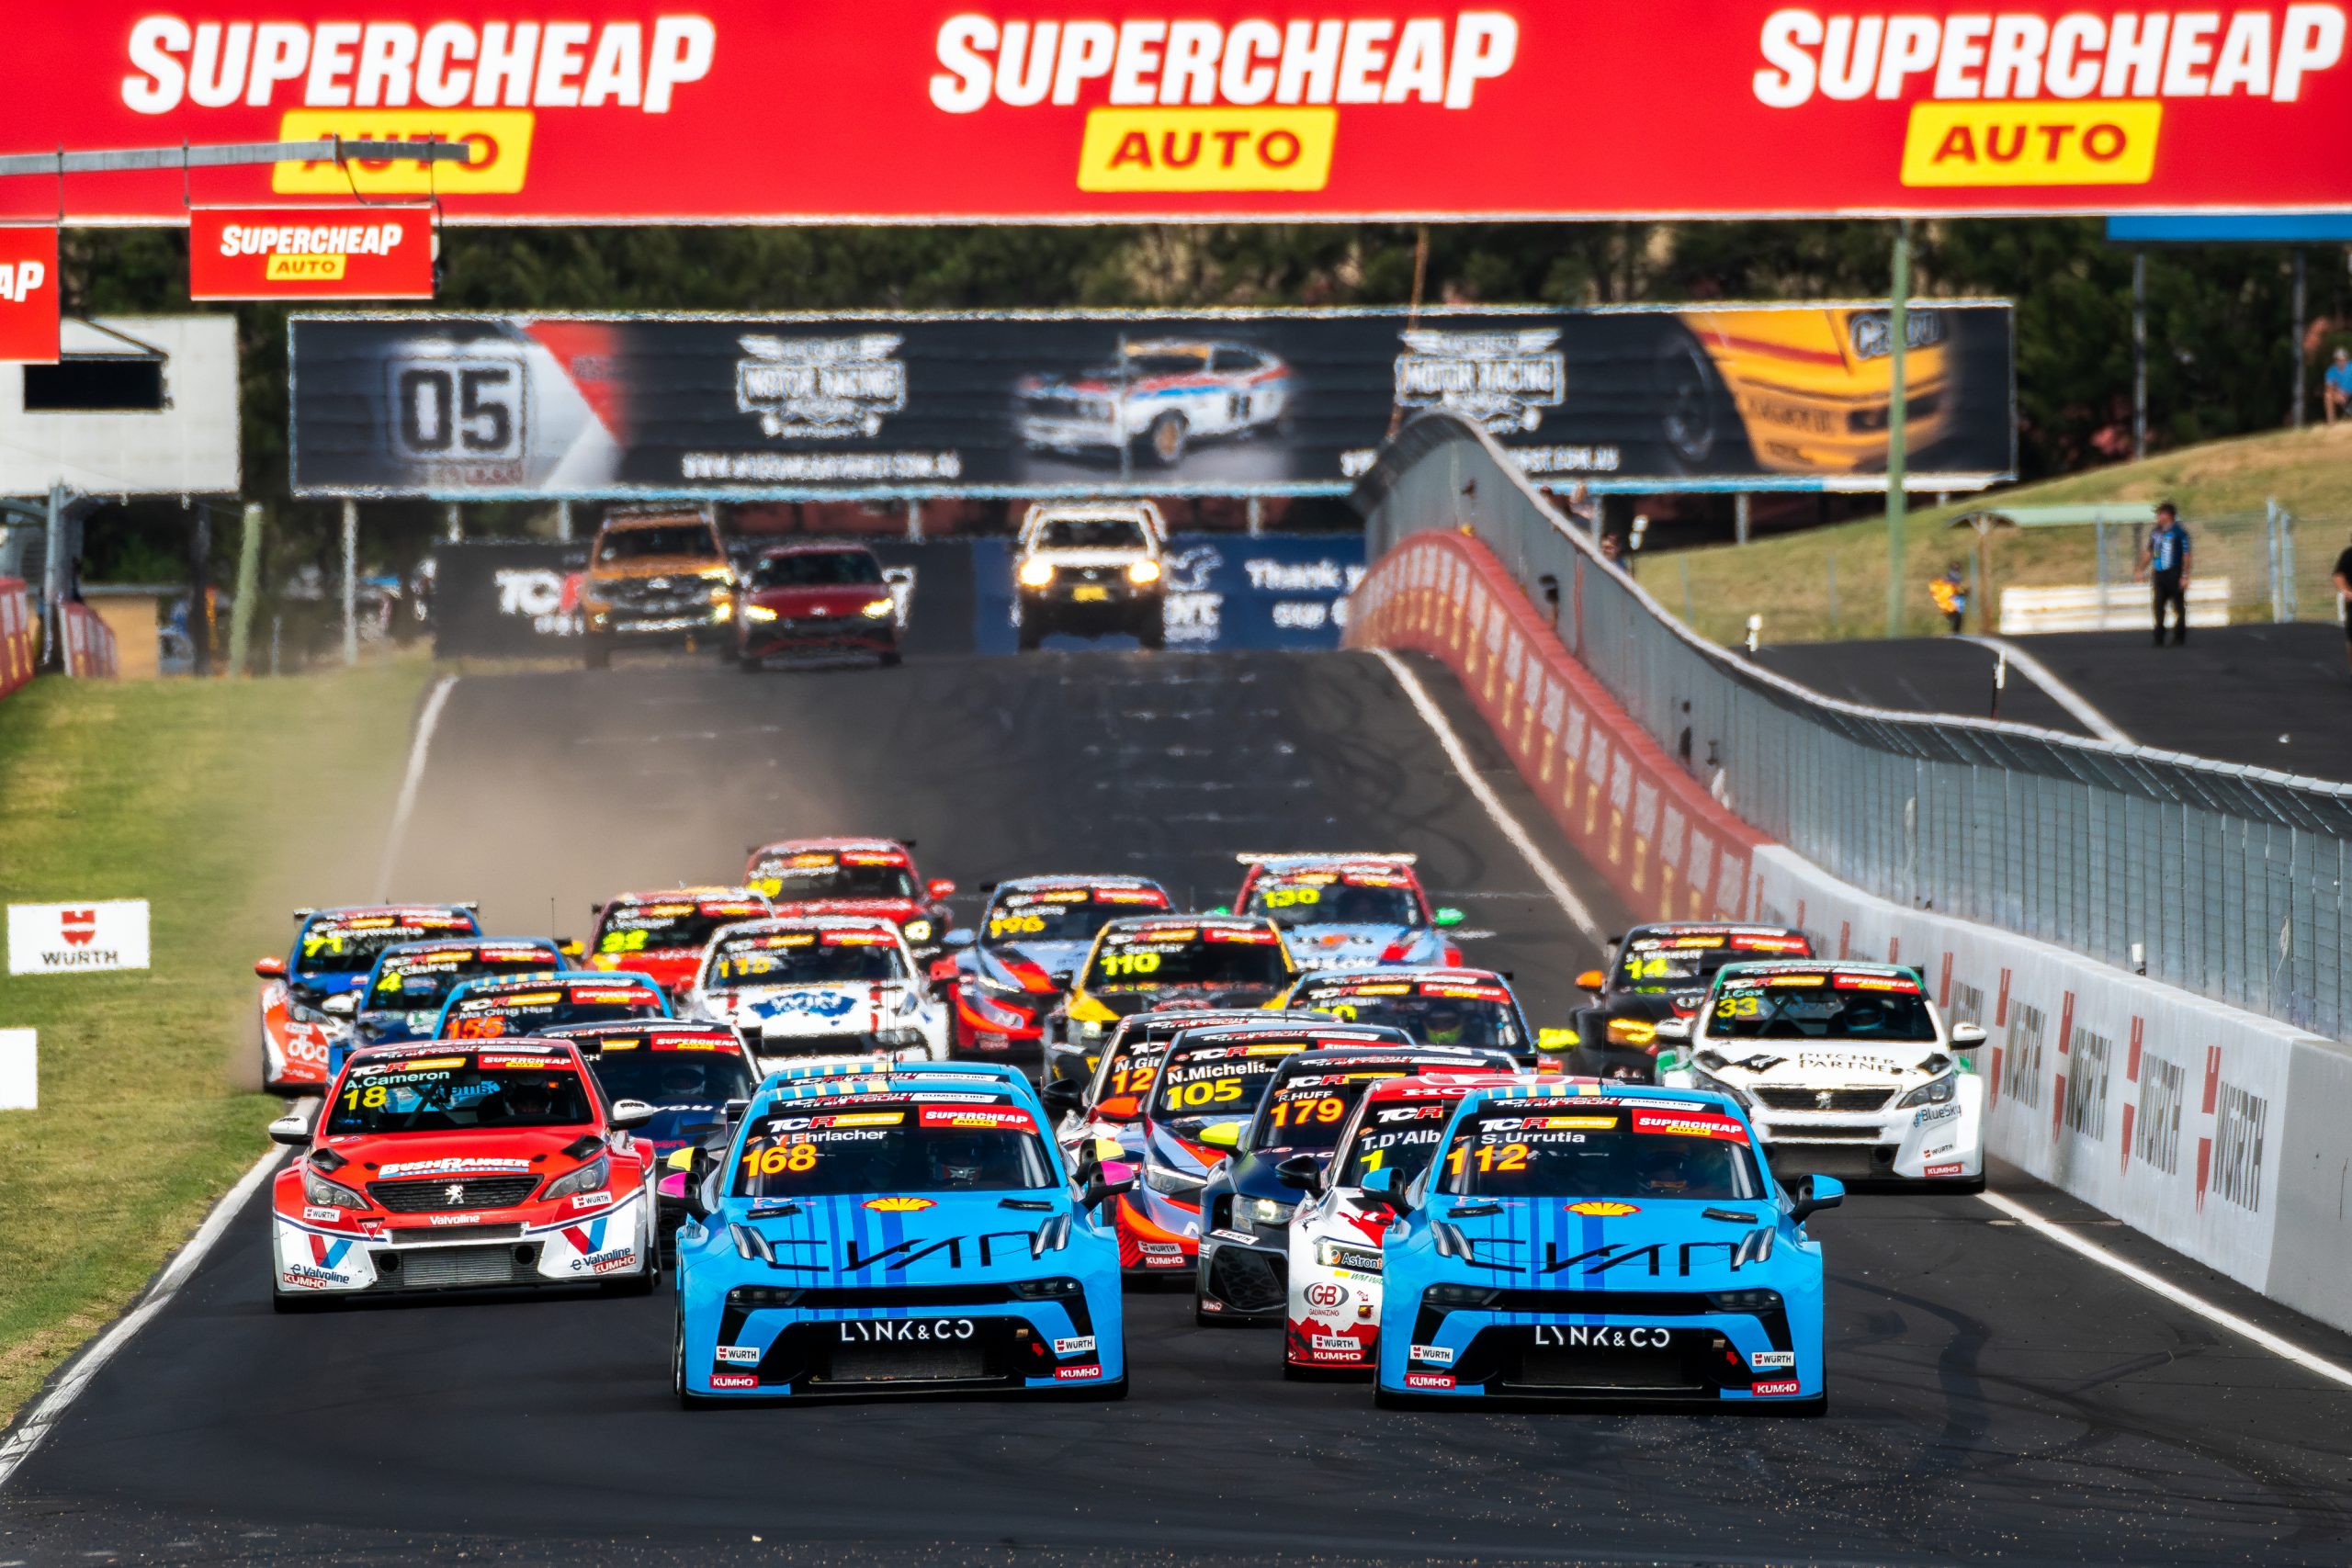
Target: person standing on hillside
pixel 2344 598
pixel 2335 387
pixel 2165 560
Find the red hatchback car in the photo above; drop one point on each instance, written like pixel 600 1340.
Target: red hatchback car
pixel 854 877
pixel 815 599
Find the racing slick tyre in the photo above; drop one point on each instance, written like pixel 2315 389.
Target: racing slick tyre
pixel 1030 634
pixel 596 652
pixel 1167 439
pixel 678 1367
pixel 1151 627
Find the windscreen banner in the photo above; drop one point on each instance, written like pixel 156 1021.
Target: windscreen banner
pixel 1136 111
pixel 1730 396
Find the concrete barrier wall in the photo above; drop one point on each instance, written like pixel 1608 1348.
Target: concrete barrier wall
pixel 1646 824
pixel 2223 1134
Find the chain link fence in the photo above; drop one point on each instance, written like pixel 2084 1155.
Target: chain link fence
pixel 2225 880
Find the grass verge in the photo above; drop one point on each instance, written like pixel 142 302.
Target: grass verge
pixel 221 803
pixel 1830 583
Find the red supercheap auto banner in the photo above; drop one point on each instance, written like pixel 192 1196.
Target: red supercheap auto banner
pixel 902 110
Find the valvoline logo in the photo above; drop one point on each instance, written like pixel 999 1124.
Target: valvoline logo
pixel 588 1238
pixel 328 1254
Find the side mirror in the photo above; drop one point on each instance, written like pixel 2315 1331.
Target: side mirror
pixel 270 968
pixel 1676 1029
pixel 1968 1034
pixel 632 1113
pixel 940 888
pixel 1063 1097
pixel 1099 1192
pixel 293 1130
pixel 1592 980
pixel 1383 1185
pixel 1448 916
pixel 960 936
pixel 1556 1039
pixel 1302 1172
pixel 571 949
pixel 699 1168
pixel 1815 1193
pixel 346 1005
pixel 1221 1135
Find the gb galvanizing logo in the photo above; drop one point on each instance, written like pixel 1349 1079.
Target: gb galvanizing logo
pixel 820 388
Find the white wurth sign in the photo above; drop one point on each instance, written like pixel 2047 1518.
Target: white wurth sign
pixel 64 938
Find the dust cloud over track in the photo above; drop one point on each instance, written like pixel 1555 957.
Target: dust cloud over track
pixel 1993 1397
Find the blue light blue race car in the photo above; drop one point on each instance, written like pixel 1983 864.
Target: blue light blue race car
pixel 895 1233
pixel 1618 1243
pixel 401 998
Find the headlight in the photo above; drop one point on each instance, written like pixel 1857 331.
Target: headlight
pixel 1738 1095
pixel 717 574
pixel 917 931
pixel 722 608
pixel 1339 1255
pixel 758 613
pixel 1934 1093
pixel 891 1038
pixel 320 1192
pixel 875 609
pixel 1263 1212
pixel 1035 573
pixel 301 1012
pixel 589 1177
pixel 1089 1028
pixel 1745 1301
pixel 1176 1184
pixel 1457 1295
pixel 1142 571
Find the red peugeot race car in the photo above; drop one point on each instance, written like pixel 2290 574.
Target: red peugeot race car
pixel 854 877
pixel 662 933
pixel 815 599
pixel 302 1013
pixel 454 1165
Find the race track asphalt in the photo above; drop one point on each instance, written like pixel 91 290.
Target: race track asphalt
pixel 1995 1398
pixel 2269 696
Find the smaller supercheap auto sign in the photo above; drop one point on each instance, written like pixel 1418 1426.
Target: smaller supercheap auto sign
pixel 28 332
pixel 311 252
pixel 1139 110
pixel 64 939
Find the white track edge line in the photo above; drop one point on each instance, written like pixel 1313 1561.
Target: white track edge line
pixel 2064 696
pixel 410 780
pixel 1483 793
pixel 2221 1316
pixel 28 1433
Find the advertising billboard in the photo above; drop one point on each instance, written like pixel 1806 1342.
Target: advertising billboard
pixel 1127 110
pixel 521 598
pixel 311 252
pixel 1275 402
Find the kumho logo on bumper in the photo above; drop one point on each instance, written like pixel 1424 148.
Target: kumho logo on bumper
pixel 1197 105
pixel 2026 98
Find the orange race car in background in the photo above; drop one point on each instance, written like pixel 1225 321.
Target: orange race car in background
pixel 1813 387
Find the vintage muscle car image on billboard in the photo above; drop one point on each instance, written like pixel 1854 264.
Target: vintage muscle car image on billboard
pixel 1155 399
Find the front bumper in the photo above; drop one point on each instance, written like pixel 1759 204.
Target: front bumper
pixel 1333 1322
pixel 1156 1234
pixel 1926 1144
pixel 1663 1346
pixel 817 634
pixel 1243 1276
pixel 491 1249
pixel 861 1340
pixel 1067 434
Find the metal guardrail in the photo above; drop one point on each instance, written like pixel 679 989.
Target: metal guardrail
pixel 2231 880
